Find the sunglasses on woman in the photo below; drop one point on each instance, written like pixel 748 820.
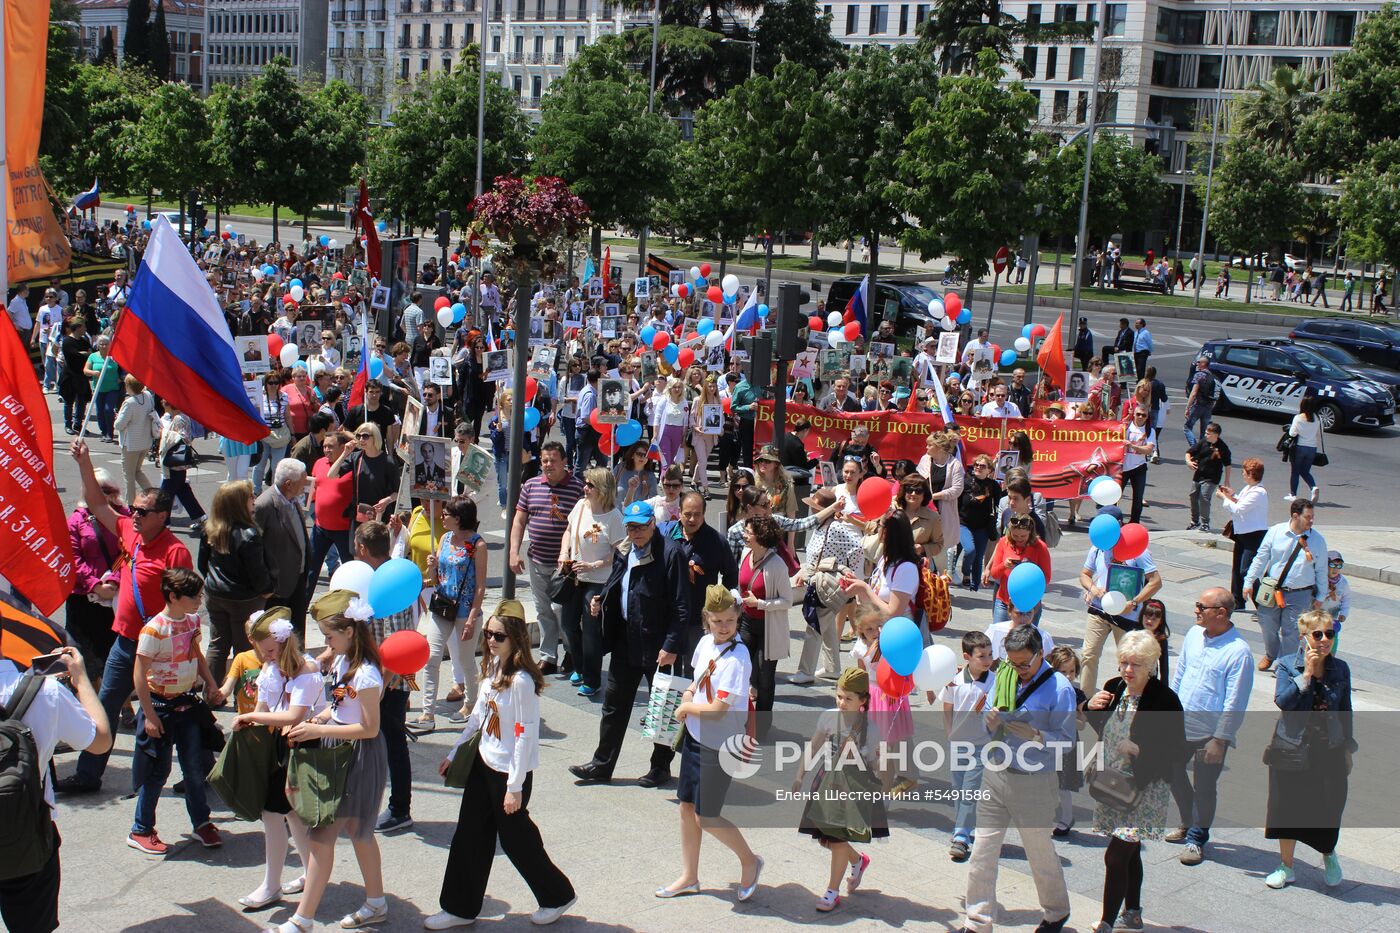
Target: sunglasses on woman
pixel 1323 634
pixel 497 637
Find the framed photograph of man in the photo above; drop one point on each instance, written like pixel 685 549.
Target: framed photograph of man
pixel 412 418
pixel 675 277
pixel 469 471
pixel 308 337
pixel 252 354
pixel 542 361
pixel 1077 390
pixel 711 419
pixel 614 402
pixel 833 363
pixel 1126 580
pixel 882 349
pixel 641 288
pixel 901 370
pixel 947 352
pixel 983 364
pixel 612 324
pixel 826 471
pixel 595 289
pixel 649 370
pixel 497 365
pixel 428 455
pixel 857 364
pixel 1006 460
pixel 440 370
pixel 380 300
pixel 573 315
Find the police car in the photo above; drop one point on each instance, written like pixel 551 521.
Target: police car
pixel 1262 376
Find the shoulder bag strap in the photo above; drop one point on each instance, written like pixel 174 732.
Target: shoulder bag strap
pixel 1288 565
pixel 25 693
pixel 97 532
pixel 1034 685
pixel 136 586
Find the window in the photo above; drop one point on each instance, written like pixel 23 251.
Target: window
pixel 578 44
pixel 1263 28
pixel 1061 112
pixel 1166 69
pixel 1064 12
pixel 1076 64
pixel 447 63
pixel 1208 72
pixel 1178 111
pixel 447 36
pixel 539 48
pixel 424 64
pixel 558 48
pixel 879 19
pixel 469 34
pixel 536 89
pixel 1081 107
pixel 1031 56
pixel 519 9
pixel 519 48
pixel 1337 29
pixel 904 20
pixel 562 10
pixel 920 15
pixel 1117 23
pixel 1112 64
pixel 1052 61
pixel 852 17
pixel 1108 107
pixel 1035 92
pixel 516 84
pixel 1033 15
pixel 1244 357
pixel 496 44
pixel 539 9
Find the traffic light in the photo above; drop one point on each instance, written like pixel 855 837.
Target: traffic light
pixel 790 321
pixel 760 363
pixel 444 229
pixel 199 214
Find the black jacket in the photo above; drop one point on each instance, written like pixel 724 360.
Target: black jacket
pixel 1159 734
pixel 242 573
pixel 653 598
pixel 714 558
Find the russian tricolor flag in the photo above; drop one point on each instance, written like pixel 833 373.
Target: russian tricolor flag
pixel 858 304
pixel 173 337
pixel 89 199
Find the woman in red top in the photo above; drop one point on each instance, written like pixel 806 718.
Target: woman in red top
pixel 301 402
pixel 1019 545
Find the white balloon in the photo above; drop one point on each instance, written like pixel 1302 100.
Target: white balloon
pixel 1022 345
pixel 949 323
pixel 1114 602
pixel 675 291
pixel 937 666
pixel 694 273
pixel 258 275
pixel 836 336
pixel 289 354
pixel 935 308
pixel 730 284
pixel 297 293
pixel 354 576
pixel 714 338
pixel 444 317
pixel 333 244
pixel 1106 492
pixel 834 319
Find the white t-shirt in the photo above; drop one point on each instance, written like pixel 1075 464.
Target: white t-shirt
pixel 1304 430
pixel 901 578
pixel 730 682
pixel 1005 410
pixel 54 716
pixel 345 708
pixel 668 412
pixel 962 694
pixel 998 632
pixel 516 751
pixel 1137 435
pixel 665 511
pixel 279 695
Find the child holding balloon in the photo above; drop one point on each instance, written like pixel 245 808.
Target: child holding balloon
pixel 889 695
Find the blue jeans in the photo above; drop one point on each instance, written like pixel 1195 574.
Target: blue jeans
pixel 1196 795
pixel 150 767
pixel 322 543
pixel 270 459
pixel 116 687
pixel 966 782
pixel 972 560
pixel 1300 467
pixel 1198 414
pixel 107 410
pixel 50 366
pixel 502 475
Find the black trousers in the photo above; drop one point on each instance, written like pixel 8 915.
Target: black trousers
pixel 481 823
pixel 30 904
pixel 1246 546
pixel 618 703
pixel 764 674
pixel 1140 362
pixel 90 627
pixel 746 442
pixel 1137 479
pixel 393 716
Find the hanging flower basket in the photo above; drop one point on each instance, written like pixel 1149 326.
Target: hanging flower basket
pixel 531 218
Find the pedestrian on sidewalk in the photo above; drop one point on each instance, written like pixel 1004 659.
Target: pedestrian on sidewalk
pixel 496 799
pixel 1141 441
pixel 1337 602
pixel 1307 428
pixel 1249 520
pixel 1210 468
pixel 1093 580
pixel 1292 558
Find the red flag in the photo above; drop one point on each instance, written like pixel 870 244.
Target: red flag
pixel 607 267
pixel 371 236
pixel 1052 355
pixel 38 554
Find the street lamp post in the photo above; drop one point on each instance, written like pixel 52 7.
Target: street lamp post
pixel 1181 212
pixel 753 49
pixel 1093 116
pixel 480 141
pixel 651 106
pixel 1214 136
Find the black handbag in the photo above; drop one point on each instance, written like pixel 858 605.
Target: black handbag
pixel 440 604
pixel 180 456
pixel 1285 756
pixel 561 586
pixel 1320 458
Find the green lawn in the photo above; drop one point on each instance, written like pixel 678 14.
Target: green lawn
pixel 792 262
pixel 1179 300
pixel 284 215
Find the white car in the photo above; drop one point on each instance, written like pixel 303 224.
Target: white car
pixel 1296 263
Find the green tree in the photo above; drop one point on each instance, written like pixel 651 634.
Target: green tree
pixel 160 45
pixel 711 200
pixel 225 180
pixel 426 161
pixel 1362 107
pixel 1125 186
pixel 965 167
pixel 170 151
pixel 961 30
pixel 61 131
pixel 857 125
pixel 107 103
pixel 1253 205
pixel 1370 204
pixel 270 142
pixel 332 141
pixel 796 31
pixel 136 43
pixel 1273 114
pixel 596 134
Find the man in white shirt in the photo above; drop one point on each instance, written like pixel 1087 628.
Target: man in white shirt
pixel 490 296
pixel 970 351
pixel 998 406
pixel 18 310
pixel 54 715
pixel 48 326
pixel 119 288
pixel 924 366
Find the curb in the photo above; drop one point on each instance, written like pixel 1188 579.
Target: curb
pixel 1388 575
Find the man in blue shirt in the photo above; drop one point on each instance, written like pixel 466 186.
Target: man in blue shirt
pixel 1038 731
pixel 1300 587
pixel 1213 678
pixel 586 442
pixel 1142 347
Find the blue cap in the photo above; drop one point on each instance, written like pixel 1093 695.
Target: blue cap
pixel 638 513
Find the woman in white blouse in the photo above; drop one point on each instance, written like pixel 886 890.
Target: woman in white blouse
pixel 595 530
pixel 1249 521
pixel 1308 430
pixel 497 795
pixel 946 476
pixel 670 412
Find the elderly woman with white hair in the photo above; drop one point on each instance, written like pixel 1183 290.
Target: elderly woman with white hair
pixel 670 413
pixel 95 553
pixel 1139 720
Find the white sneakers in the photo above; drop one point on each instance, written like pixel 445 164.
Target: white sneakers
pixel 442 920
pixel 547 915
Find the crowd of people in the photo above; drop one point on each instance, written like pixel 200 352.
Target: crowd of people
pixel 629 561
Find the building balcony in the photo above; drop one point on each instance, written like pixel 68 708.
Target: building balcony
pixel 445 42
pixel 338 16
pixel 375 54
pixel 405 6
pixel 378 14
pixel 405 42
pixel 335 52
pixel 357 16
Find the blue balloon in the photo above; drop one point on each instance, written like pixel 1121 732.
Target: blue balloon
pixel 459 311
pixel 394 587
pixel 965 538
pixel 145 225
pixel 269 269
pixel 324 240
pixel 965 317
pixel 763 311
pixel 901 645
pixel 301 364
pixel 1008 358
pixel 532 418
pixel 295 283
pixel 381 226
pixel 1025 586
pixel 1104 532
pixel 671 354
pixel 701 285
pixel 376 367
pixel 628 434
pixel 731 299
pixel 704 326
pixel 648 334
pixel 1026 331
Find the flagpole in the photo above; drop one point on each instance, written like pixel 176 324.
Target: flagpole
pixel 4 172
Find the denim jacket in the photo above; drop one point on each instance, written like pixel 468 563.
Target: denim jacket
pixel 1296 701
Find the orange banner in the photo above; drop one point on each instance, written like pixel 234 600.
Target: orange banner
pixel 35 245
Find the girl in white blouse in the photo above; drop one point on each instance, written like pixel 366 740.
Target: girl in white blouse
pixel 290 691
pixel 507 714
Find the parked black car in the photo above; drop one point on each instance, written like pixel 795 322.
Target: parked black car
pixel 1388 378
pixel 1377 344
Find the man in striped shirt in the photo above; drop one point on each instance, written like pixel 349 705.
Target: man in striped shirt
pixel 543 511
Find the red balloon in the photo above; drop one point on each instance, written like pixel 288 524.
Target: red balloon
pixel 894 685
pixel 815 324
pixel 1038 330
pixel 715 294
pixel 455 257
pixel 874 497
pixel 952 304
pixel 274 345
pixel 531 387
pixel 996 352
pixel 131 209
pixel 442 302
pixel 1132 542
pixel 692 337
pixel 704 270
pixel 593 420
pixel 726 404
pixel 405 652
pixel 224 234
pixel 683 290
pixel 686 358
pixel 288 300
pixel 852 330
pixel 607 443
pixel 661 341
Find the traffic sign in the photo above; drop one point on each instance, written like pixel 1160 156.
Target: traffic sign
pixel 474 245
pixel 999 261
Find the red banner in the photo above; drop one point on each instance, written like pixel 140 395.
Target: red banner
pixel 1068 454
pixel 38 554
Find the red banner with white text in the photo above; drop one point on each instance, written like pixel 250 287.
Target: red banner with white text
pixel 37 556
pixel 1068 454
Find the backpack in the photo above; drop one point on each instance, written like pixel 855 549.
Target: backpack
pixel 932 597
pixel 26 826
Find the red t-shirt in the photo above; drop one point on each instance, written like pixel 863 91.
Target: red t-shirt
pixel 151 560
pixel 997 570
pixel 332 496
pixel 751 583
